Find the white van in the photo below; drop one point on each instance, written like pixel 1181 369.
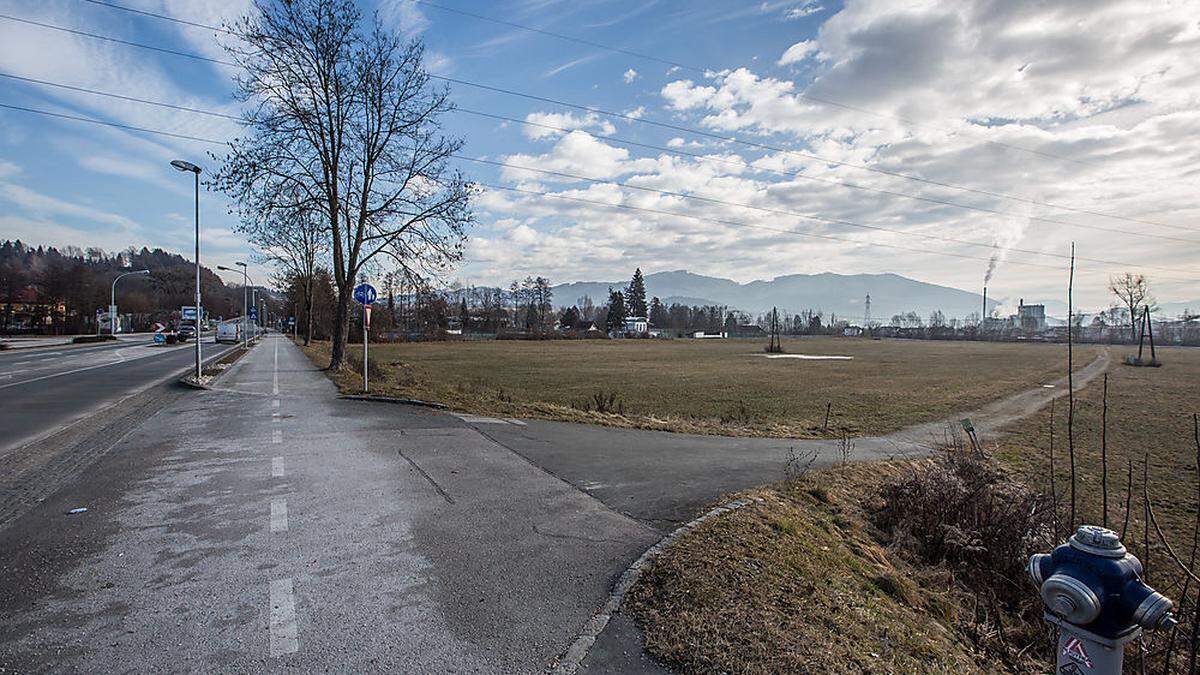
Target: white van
pixel 229 331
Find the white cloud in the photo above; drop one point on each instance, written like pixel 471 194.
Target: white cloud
pixel 404 16
pixel 629 76
pixel 951 90
pixel 806 8
pixel 686 94
pixel 637 113
pixel 798 52
pixel 564 121
pixel 571 64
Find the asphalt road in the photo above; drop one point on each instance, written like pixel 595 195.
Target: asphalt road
pixel 267 525
pixel 45 390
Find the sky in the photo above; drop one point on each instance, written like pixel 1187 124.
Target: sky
pixel 921 138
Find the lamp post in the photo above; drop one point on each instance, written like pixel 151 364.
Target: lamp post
pixel 188 166
pixel 245 301
pixel 112 302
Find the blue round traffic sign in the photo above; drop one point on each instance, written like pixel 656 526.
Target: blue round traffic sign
pixel 364 294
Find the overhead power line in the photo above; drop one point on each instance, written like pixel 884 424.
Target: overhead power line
pixel 656 123
pixel 628 207
pixel 796 153
pixel 832 181
pixel 556 196
pixel 106 123
pixel 122 97
pixel 113 5
pixel 797 214
pixel 697 69
pixel 708 158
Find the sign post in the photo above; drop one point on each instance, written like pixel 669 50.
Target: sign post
pixel 365 294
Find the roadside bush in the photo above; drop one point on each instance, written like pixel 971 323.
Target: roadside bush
pixel 962 509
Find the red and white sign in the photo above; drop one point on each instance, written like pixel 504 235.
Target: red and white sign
pixel 1074 650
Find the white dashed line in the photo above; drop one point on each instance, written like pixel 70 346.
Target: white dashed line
pixel 276 436
pixel 277 467
pixel 275 404
pixel 284 634
pixel 279 521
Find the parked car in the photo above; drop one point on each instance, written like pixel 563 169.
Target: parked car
pixel 187 332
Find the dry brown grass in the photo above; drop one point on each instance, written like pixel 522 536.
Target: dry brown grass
pixel 803 582
pixel 800 582
pixel 722 387
pixel 1149 414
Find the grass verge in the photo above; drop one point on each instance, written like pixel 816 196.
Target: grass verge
pixel 721 387
pixel 800 582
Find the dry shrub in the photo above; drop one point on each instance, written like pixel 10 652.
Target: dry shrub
pixel 960 510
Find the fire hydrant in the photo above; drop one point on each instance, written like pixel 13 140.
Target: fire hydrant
pixel 1093 592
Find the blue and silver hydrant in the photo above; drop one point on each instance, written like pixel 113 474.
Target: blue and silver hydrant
pixel 1093 592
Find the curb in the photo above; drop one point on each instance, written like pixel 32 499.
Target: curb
pixel 573 657
pixel 391 399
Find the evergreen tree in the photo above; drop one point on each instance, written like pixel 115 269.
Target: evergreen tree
pixel 616 311
pixel 658 313
pixel 569 318
pixel 635 296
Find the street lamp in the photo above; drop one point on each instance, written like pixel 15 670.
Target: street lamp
pixel 245 301
pixel 188 166
pixel 112 303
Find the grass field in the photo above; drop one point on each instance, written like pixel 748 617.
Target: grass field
pixel 802 578
pixel 724 387
pixel 1149 417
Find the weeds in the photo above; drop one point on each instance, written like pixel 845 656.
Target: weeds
pixel 845 449
pixel 797 464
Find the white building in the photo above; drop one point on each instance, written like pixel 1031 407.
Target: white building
pixel 637 325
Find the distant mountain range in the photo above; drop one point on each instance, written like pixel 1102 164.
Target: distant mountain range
pixel 840 294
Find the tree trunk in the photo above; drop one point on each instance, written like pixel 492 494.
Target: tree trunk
pixel 308 309
pixel 338 352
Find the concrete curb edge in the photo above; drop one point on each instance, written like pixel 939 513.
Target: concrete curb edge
pixel 573 657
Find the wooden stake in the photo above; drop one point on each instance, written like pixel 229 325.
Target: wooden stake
pixel 1071 383
pixel 1104 449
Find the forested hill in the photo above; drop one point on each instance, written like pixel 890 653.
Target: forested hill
pixel 82 281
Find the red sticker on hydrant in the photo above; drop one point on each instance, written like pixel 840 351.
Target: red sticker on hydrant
pixel 1074 650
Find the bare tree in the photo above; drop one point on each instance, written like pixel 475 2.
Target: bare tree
pixel 342 118
pixel 295 241
pixel 1133 290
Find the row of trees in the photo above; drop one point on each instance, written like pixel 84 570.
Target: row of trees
pixel 47 289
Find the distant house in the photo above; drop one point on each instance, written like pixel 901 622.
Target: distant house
pixel 26 311
pixel 636 325
pixel 748 331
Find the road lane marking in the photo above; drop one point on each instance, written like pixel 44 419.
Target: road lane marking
pixel 284 634
pixel 279 521
pixel 100 365
pixel 275 375
pixel 277 467
pixel 275 403
pixel 276 436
